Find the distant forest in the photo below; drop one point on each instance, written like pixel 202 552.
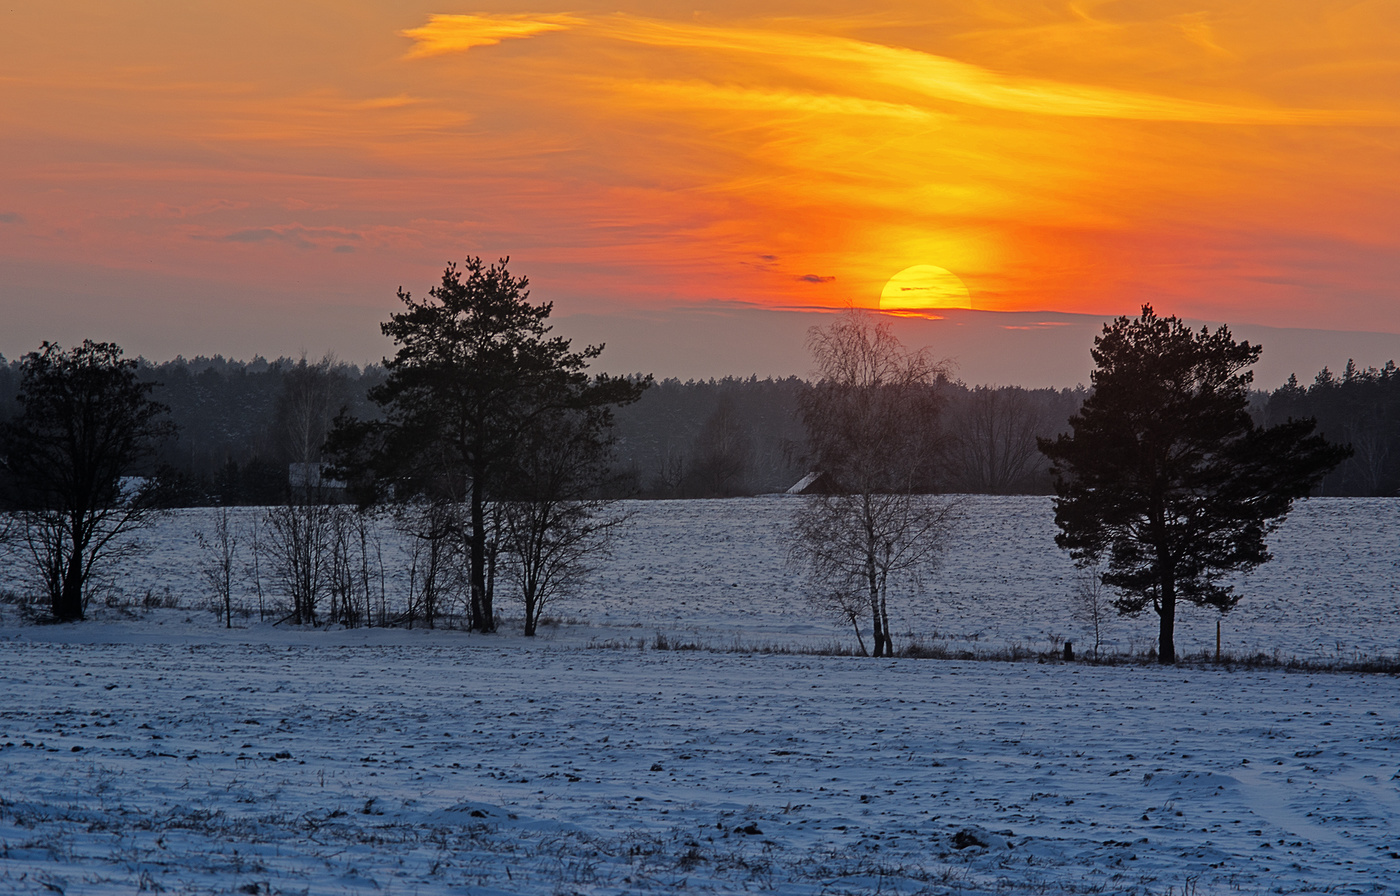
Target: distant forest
pixel 242 423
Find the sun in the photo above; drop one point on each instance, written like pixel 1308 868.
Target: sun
pixel 922 287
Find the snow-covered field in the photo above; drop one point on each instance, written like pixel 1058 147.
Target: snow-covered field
pixel 161 752
pixel 160 755
pixel 713 572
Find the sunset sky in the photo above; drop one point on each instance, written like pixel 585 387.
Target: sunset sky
pixel 198 177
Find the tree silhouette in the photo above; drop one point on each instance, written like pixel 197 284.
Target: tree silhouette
pixel 1166 474
pixel 476 368
pixel 86 427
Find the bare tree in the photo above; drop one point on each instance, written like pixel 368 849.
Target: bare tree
pixel 872 426
pixel 994 443
pixel 1092 603
pixel 670 472
pixel 344 574
pixel 311 395
pixel 437 553
pixel 553 546
pixel 254 565
pixel 9 527
pixel 371 577
pixel 843 600
pixel 853 546
pixel 354 566
pixel 1371 444
pixel 297 543
pixel 553 526
pixel 220 561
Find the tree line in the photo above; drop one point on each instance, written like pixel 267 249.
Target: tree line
pixel 497 450
pixel 1361 408
pixel 238 425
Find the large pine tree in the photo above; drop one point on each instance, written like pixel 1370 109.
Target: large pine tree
pixel 1165 478
pixel 476 371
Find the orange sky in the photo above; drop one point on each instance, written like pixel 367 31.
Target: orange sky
pixel 201 177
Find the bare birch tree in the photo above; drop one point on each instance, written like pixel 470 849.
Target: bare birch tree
pixel 219 561
pixel 872 427
pixel 854 545
pixel 1092 603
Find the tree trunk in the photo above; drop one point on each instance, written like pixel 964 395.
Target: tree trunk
pixel 885 622
pixel 1166 572
pixel 877 630
pixel 69 606
pixel 860 639
pixel 492 552
pixel 1166 639
pixel 481 613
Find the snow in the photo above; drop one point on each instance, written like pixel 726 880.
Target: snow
pixel 171 755
pixel 162 752
pixel 713 572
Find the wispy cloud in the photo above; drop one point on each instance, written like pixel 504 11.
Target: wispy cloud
pixel 931 76
pixel 455 33
pixel 293 234
pixel 257 235
pixel 736 98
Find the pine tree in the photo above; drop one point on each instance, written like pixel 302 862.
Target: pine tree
pixel 1166 479
pixel 476 369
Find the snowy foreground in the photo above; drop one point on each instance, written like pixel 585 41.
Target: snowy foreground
pixel 163 754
